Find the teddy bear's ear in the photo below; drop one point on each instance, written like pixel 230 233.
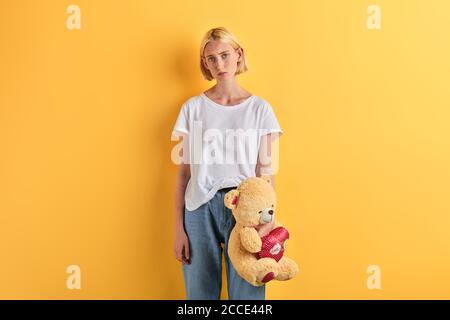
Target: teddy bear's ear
pixel 231 198
pixel 267 179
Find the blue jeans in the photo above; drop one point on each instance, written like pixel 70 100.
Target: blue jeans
pixel 207 227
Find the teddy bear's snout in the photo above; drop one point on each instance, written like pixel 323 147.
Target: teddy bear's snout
pixel 267 215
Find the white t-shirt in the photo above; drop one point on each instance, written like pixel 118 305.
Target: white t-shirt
pixel 223 143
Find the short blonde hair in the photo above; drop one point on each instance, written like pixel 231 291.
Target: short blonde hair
pixel 221 34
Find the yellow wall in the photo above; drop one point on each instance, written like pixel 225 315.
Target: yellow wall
pixel 86 116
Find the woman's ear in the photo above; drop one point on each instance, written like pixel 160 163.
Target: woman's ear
pixel 231 199
pixel 204 63
pixel 240 52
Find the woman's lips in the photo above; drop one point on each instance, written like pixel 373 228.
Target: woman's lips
pixel 221 73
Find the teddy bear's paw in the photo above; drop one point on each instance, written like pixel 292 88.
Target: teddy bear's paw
pixel 267 270
pixel 268 277
pixel 288 269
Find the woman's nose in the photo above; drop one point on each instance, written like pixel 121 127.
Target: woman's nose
pixel 219 64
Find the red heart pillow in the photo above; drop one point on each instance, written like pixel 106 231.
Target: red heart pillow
pixel 273 244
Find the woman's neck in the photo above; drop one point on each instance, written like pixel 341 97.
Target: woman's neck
pixel 227 92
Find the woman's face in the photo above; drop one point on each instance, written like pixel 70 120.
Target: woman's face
pixel 221 59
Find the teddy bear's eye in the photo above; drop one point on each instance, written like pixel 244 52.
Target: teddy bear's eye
pixel 260 212
pixel 272 206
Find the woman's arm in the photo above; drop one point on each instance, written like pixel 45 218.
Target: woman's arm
pixel 264 164
pixel 181 246
pixel 182 179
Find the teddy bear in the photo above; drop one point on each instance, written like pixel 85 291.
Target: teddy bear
pixel 257 242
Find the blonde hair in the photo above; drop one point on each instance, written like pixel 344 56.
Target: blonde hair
pixel 223 35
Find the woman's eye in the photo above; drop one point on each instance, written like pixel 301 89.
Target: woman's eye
pixel 211 59
pixel 224 55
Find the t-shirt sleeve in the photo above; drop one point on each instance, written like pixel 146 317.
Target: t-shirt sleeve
pixel 182 123
pixel 270 123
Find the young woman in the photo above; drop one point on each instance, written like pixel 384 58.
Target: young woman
pixel 220 114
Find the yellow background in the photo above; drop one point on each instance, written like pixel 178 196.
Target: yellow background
pixel 86 116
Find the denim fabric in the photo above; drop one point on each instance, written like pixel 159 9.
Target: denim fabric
pixel 207 227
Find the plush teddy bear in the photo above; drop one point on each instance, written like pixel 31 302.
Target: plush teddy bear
pixel 257 242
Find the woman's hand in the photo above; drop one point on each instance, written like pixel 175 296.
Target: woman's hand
pixel 181 247
pixel 264 229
